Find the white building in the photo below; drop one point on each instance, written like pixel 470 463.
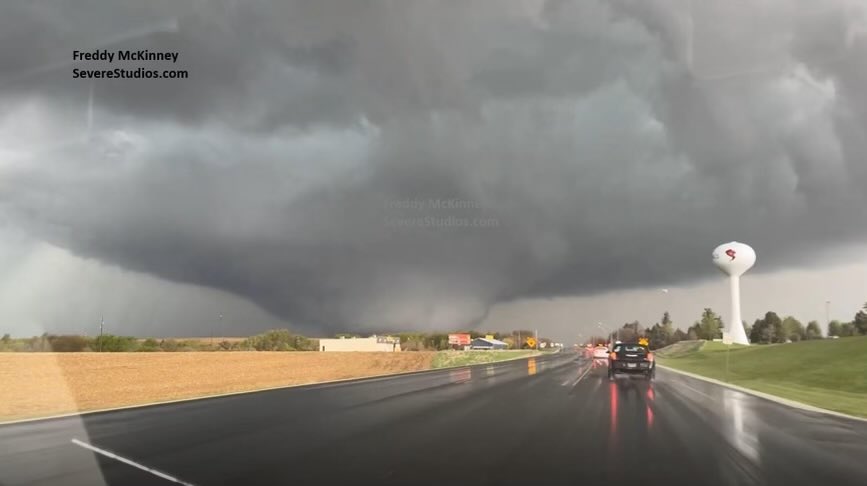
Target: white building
pixel 373 343
pixel 488 343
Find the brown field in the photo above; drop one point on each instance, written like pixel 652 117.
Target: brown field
pixel 41 384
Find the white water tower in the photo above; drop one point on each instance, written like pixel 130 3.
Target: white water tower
pixel 734 259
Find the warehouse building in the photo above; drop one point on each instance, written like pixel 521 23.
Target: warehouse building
pixel 373 343
pixel 488 343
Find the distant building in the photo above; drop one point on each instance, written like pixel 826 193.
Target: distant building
pixel 373 343
pixel 459 341
pixel 486 343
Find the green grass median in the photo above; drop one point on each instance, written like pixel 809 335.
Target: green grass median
pixel 447 359
pixel 828 373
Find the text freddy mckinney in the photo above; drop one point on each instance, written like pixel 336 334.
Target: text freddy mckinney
pixel 124 55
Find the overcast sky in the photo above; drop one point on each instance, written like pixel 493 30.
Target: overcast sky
pixel 599 149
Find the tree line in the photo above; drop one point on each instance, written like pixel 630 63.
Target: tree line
pixel 771 328
pixel 273 340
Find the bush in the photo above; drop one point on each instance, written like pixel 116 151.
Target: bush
pixel 229 346
pixel 113 344
pixel 275 340
pixel 68 344
pixel 38 343
pixel 169 345
pixel 150 345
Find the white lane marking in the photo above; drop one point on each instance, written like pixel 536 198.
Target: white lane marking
pixel 565 383
pixel 129 462
pixel 697 391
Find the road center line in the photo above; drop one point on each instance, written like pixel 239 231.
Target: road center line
pixel 582 376
pixel 129 462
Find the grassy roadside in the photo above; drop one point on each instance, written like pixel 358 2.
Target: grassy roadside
pixel 446 359
pixel 830 374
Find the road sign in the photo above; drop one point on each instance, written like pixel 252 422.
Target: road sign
pixel 644 342
pixel 531 342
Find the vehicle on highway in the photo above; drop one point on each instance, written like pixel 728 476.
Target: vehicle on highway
pixel 631 358
pixel 600 352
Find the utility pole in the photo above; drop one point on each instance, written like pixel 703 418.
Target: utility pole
pixel 101 325
pixel 536 337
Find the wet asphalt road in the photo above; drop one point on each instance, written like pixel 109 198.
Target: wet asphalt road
pixel 550 420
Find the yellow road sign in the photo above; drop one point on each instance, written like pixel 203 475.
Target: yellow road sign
pixel 531 342
pixel 643 342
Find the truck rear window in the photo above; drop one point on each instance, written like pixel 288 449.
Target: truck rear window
pixel 627 348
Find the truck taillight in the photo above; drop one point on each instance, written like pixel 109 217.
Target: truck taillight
pixel 649 356
pixel 613 356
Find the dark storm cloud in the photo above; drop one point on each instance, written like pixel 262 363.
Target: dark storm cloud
pixel 598 151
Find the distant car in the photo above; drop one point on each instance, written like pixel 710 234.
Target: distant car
pixel 600 352
pixel 631 358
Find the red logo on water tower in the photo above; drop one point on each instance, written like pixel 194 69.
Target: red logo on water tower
pixel 731 254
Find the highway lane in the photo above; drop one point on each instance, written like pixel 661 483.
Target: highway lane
pixel 552 421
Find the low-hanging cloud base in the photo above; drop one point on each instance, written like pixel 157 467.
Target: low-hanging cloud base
pixel 380 165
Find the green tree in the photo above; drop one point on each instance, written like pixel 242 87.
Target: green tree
pixel 655 337
pixel 776 324
pixel 666 330
pixel 758 332
pixel 768 329
pixel 6 338
pixel 848 329
pixel 813 330
pixel 661 334
pixel 860 321
pixel 835 328
pixel 436 341
pixel 629 332
pixel 710 325
pixel 793 330
pixel 666 323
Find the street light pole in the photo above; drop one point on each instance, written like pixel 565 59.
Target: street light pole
pixel 608 333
